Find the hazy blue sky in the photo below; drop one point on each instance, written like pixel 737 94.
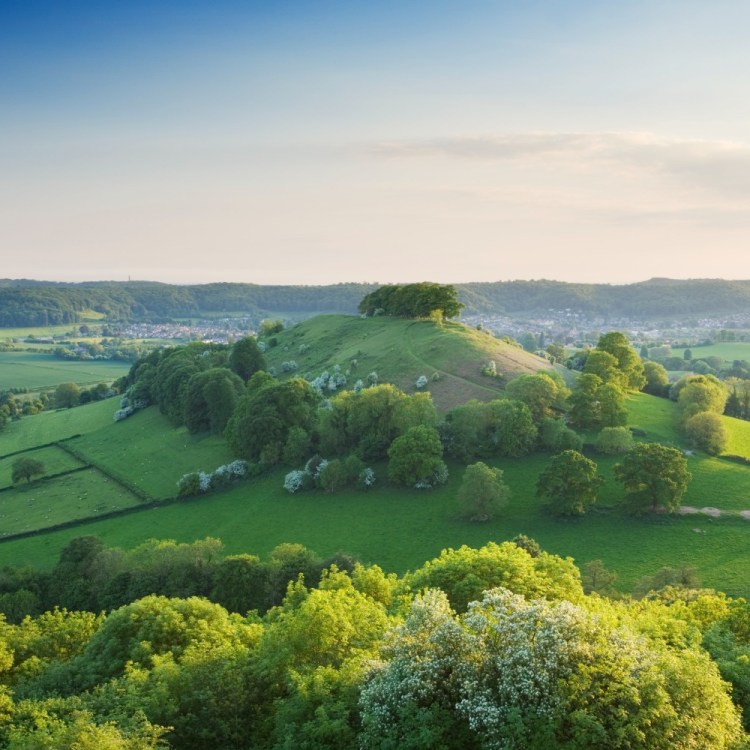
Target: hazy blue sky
pixel 316 142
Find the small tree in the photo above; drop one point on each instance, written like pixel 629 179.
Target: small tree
pixel 416 457
pixel 67 395
pixel 706 431
pixel 333 476
pixel 614 440
pixel 482 493
pixel 597 578
pixel 569 483
pixel 26 468
pixel 653 475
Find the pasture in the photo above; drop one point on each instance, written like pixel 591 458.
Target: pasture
pixel 44 503
pixel 729 350
pixel 39 370
pixel 395 528
pixel 55 460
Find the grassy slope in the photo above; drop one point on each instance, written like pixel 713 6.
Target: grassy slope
pixel 152 454
pixel 402 350
pixel 37 370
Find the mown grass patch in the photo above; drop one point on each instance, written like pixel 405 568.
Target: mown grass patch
pixel 54 459
pixel 50 426
pixel 45 503
pixel 40 370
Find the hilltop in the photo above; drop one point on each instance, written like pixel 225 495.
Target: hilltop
pixel 400 351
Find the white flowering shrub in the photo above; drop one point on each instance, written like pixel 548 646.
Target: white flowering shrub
pixel 514 673
pixel 304 348
pixel 295 480
pixel 366 478
pixel 372 378
pixel 421 382
pixel 204 480
pixel 440 476
pixel 490 369
pixel 121 414
pixel 262 346
pixel 124 402
pixel 289 366
pixel 358 385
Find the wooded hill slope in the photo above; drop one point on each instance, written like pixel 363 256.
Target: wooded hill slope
pixel 33 303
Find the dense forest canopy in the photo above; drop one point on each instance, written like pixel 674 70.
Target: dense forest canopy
pixel 33 303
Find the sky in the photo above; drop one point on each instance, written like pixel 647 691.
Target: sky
pixel 321 142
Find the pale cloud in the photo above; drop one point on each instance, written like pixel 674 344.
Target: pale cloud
pixel 718 166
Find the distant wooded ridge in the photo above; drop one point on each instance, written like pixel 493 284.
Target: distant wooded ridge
pixel 35 303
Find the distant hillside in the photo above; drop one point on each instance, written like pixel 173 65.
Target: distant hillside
pixel 35 303
pixel 399 351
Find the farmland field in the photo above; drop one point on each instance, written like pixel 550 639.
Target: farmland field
pixel 46 503
pixel 50 426
pixel 55 460
pixel 729 350
pixel 37 371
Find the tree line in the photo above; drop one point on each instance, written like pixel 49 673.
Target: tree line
pixel 25 303
pixel 476 649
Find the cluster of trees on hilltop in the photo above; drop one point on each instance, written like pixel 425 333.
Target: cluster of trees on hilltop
pixel 476 649
pixel 412 301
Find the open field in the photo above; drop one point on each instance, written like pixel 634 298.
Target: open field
pixel 39 370
pixel 153 455
pixel 46 503
pixel 399 529
pixel 50 426
pixel 55 460
pixel 393 527
pixel 728 350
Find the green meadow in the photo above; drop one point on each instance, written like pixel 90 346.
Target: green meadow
pixel 396 528
pixel 55 461
pixel 39 370
pixel 729 350
pixel 44 503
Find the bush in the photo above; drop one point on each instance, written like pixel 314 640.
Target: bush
pixel 614 440
pixel 421 382
pixel 296 480
pixel 706 432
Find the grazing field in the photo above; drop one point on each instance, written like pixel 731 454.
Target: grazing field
pixel 729 351
pixel 50 426
pixel 395 528
pixel 46 503
pixel 55 460
pixel 152 454
pixel 399 529
pixel 38 370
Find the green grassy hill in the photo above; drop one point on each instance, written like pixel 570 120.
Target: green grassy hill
pixel 402 350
